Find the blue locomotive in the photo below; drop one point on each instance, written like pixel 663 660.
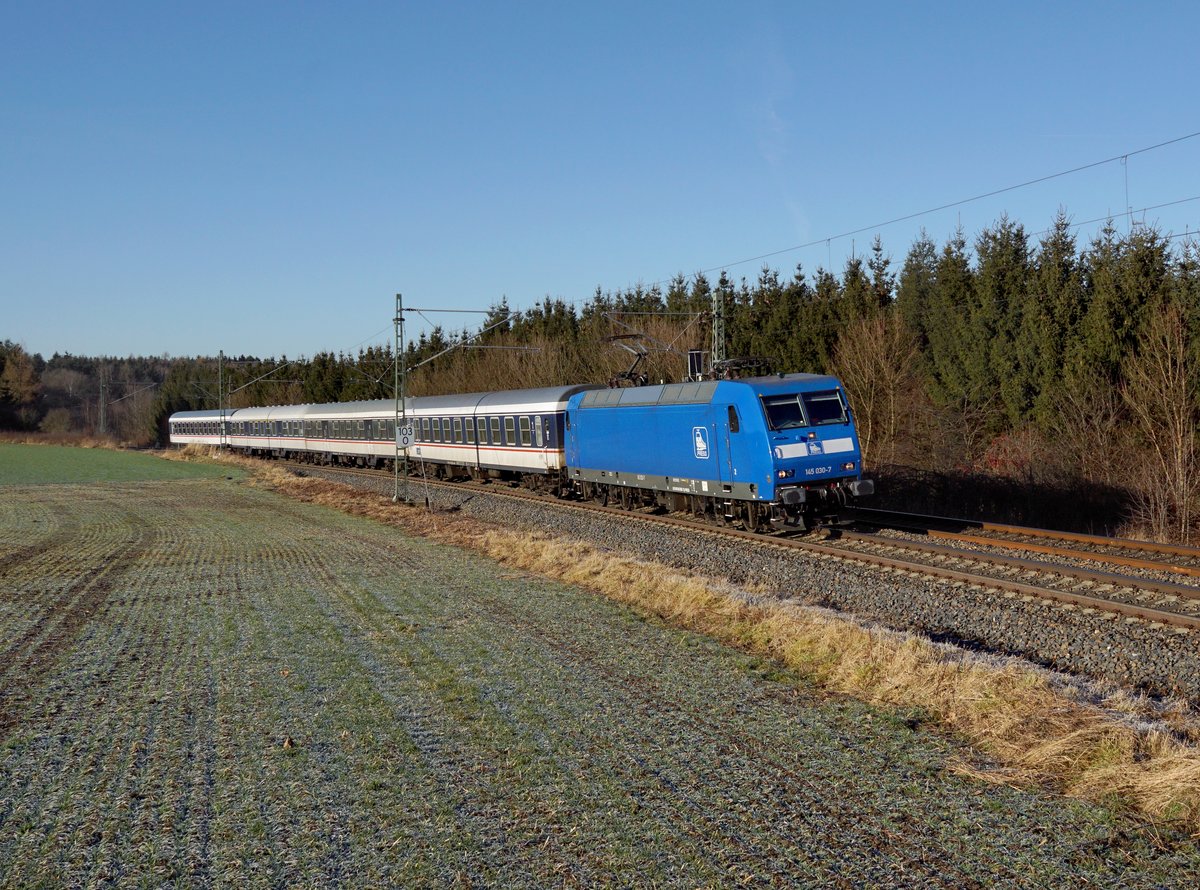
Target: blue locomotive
pixel 763 452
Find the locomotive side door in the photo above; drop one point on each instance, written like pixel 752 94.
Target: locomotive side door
pixel 719 431
pixel 727 418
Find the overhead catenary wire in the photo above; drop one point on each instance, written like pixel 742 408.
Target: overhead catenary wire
pixel 1088 222
pixel 827 240
pixel 1123 157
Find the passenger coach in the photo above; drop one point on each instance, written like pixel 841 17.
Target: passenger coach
pixel 479 434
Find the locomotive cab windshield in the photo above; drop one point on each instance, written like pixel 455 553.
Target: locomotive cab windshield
pixel 794 410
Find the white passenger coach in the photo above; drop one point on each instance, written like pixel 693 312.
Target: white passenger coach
pixel 481 434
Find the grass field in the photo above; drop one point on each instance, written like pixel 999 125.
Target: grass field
pixel 204 683
pixel 42 464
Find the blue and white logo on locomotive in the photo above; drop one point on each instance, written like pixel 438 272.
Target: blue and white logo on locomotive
pixel 700 442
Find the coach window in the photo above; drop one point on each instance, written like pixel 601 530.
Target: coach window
pixel 426 429
pixel 481 423
pixel 361 432
pixel 469 429
pixel 496 440
pixel 510 431
pixel 437 429
pixel 526 439
pixel 537 431
pixel 733 420
pixel 458 430
pixel 446 430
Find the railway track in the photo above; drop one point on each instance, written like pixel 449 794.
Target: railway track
pixel 1107 594
pixel 1172 559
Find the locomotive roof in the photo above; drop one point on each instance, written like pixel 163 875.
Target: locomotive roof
pixel 699 393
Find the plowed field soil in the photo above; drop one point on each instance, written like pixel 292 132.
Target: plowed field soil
pixel 202 684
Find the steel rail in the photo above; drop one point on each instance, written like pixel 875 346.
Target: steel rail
pixel 1132 562
pixel 1026 565
pixel 1029 531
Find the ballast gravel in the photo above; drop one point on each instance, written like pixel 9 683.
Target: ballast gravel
pixel 1132 654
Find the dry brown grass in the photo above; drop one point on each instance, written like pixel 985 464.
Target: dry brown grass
pixel 74 440
pixel 1033 733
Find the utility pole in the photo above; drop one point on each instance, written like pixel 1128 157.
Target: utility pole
pixel 221 391
pixel 401 409
pixel 103 400
pixel 718 328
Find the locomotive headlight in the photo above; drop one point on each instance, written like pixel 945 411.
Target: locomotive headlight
pixel 785 474
pixel 848 465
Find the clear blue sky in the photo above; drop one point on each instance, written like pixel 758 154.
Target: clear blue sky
pixel 263 178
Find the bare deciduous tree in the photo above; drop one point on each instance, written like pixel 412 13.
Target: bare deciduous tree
pixel 875 358
pixel 1160 391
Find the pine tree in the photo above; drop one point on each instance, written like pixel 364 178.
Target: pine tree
pixel 1054 311
pixel 998 363
pixel 883 280
pixel 858 298
pixel 1107 327
pixel 945 323
pixel 915 292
